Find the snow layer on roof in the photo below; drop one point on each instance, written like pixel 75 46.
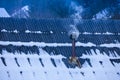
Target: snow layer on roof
pixel 40 67
pixel 3 13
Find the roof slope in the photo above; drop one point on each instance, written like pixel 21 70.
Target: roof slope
pixel 39 49
pixel 3 13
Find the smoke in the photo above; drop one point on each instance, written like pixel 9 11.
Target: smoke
pixel 77 11
pixel 81 9
pixel 73 32
pixel 76 16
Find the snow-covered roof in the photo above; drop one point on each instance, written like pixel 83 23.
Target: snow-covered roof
pixel 39 50
pixel 3 13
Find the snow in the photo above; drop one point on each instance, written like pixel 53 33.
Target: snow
pixel 110 45
pixel 108 33
pixel 25 8
pixel 51 32
pixel 35 71
pixel 3 30
pixel 89 44
pixel 40 66
pixel 72 29
pixel 104 14
pixel 42 44
pixel 3 13
pixel 15 31
pixel 39 32
pixel 27 31
pixel 87 33
pixel 97 33
pixel 6 31
pixel 21 13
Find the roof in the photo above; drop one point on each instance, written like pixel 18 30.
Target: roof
pixel 33 49
pixel 3 13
